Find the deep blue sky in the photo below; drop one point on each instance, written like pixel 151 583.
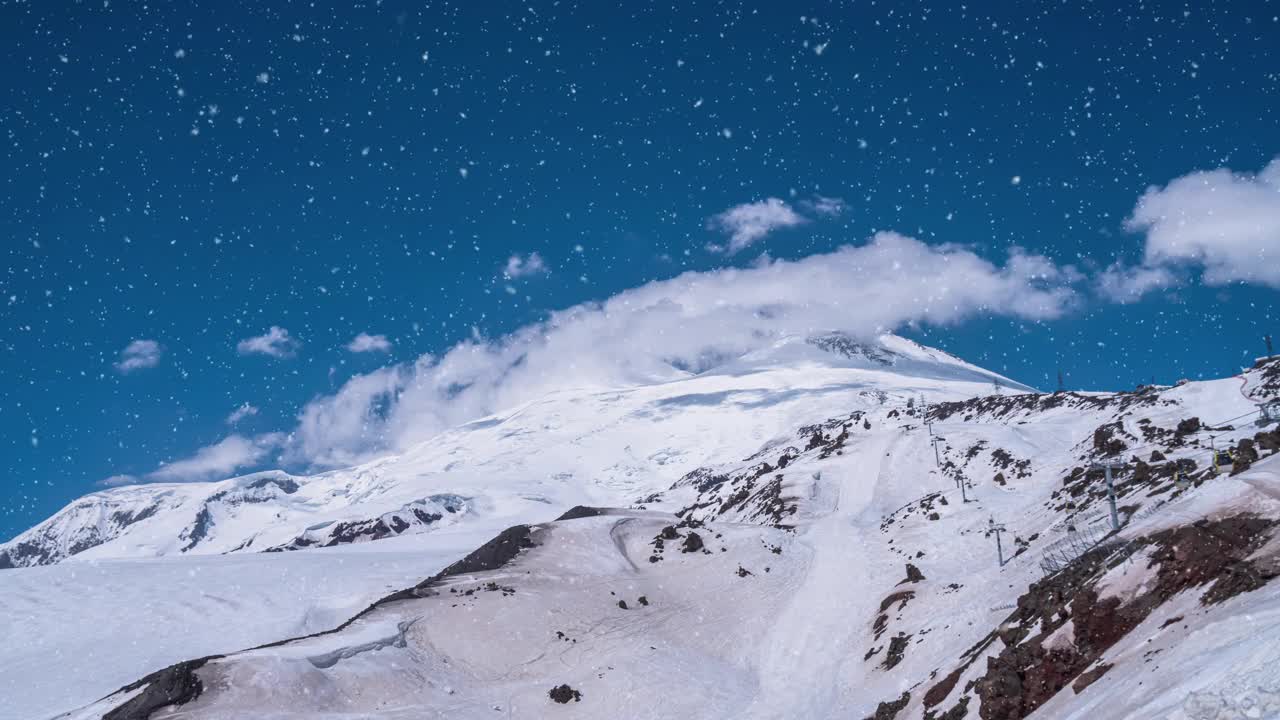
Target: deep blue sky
pixel 198 172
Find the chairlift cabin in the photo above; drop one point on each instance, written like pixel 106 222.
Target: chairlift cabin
pixel 1222 460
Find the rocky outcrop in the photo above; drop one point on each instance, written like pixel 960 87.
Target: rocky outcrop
pixel 419 516
pixel 175 685
pixel 565 694
pixel 1214 555
pixel 889 709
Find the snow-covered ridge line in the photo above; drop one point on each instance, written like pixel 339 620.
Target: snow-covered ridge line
pixel 547 452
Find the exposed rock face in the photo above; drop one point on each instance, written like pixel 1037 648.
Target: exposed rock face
pixel 46 547
pixel 417 516
pixel 494 554
pixel 939 692
pixel 841 344
pixel 897 650
pixel 1106 440
pixel 199 529
pixel 1088 678
pixel 1026 673
pixel 889 709
pixel 1006 407
pixel 174 685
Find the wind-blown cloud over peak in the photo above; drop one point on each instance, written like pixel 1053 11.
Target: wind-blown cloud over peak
pixel 646 333
pixel 219 459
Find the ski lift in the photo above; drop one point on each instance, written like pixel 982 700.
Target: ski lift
pixel 1269 412
pixel 1222 458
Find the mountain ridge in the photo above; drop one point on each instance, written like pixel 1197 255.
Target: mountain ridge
pixel 124 522
pixel 811 539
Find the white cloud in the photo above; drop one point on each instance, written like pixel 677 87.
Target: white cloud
pixel 518 267
pixel 219 460
pixel 138 355
pixel 1125 285
pixel 276 342
pixel 118 480
pixel 343 428
pixel 240 413
pixel 364 342
pixel 1224 223
pixel 828 206
pixel 749 222
pixel 644 334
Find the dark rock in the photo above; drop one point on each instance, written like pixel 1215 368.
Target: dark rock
pixel 957 711
pixel 692 543
pixel 878 627
pixel 1088 678
pixel 1105 440
pixel 581 511
pixel 565 694
pixel 426 518
pixel 1025 674
pixel 622 604
pixel 1214 553
pixel 199 529
pixel 286 485
pixel 913 574
pixel 939 692
pixel 125 518
pixel 1269 441
pixel 897 649
pixel 1244 456
pixel 175 685
pixel 1188 426
pixel 493 554
pixel 889 709
pixel 902 597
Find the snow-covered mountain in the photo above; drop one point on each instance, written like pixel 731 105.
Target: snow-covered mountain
pixel 605 447
pixel 801 532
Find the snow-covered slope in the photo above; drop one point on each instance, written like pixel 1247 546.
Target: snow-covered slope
pixel 596 447
pixel 840 570
pixel 785 545
pixel 74 632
